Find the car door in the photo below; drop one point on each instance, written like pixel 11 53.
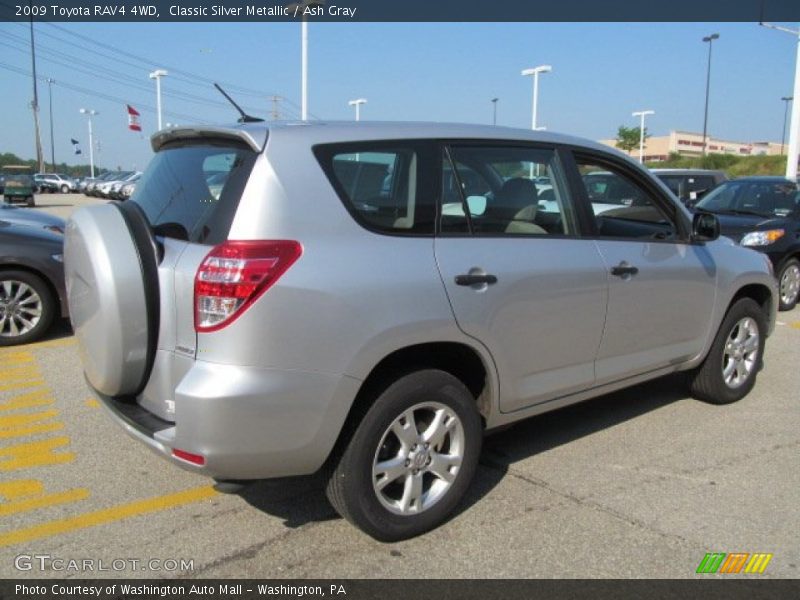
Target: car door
pixel 661 287
pixel 519 277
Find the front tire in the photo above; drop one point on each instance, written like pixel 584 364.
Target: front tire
pixel 30 201
pixel 27 307
pixel 64 189
pixel 730 369
pixel 789 284
pixel 410 459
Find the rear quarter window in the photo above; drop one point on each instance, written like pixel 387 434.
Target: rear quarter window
pixel 381 185
pixel 191 192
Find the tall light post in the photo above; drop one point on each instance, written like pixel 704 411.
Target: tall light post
pixel 50 83
pixel 494 110
pixel 157 75
pixel 89 114
pixel 642 114
pixel 300 9
pixel 535 71
pixel 786 100
pixel 710 39
pixel 794 122
pixel 35 103
pixel 357 103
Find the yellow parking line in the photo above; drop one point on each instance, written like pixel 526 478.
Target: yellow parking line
pixel 796 325
pixel 92 403
pixel 106 515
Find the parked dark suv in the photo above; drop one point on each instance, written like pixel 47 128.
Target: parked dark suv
pixel 690 185
pixel 763 213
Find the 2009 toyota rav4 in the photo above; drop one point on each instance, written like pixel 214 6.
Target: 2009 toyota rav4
pixel 368 299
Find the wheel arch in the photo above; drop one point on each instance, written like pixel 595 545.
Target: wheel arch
pixel 457 358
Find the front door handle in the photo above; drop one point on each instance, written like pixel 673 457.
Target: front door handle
pixel 624 269
pixel 475 279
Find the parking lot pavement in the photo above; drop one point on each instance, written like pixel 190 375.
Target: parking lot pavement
pixel 63 205
pixel 641 483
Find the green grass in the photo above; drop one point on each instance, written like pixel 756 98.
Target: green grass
pixel 734 166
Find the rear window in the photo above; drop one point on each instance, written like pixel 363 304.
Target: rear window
pixel 380 185
pixel 191 192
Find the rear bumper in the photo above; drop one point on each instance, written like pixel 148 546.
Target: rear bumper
pixel 247 422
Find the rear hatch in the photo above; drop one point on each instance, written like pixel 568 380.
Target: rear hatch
pixel 186 201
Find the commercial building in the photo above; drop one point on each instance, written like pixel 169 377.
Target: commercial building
pixel 658 148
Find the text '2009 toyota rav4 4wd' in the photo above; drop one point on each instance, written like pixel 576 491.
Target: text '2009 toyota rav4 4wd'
pixel 368 299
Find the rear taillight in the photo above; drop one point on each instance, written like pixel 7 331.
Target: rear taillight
pixel 234 274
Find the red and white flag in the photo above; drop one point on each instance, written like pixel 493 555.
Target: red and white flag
pixel 133 119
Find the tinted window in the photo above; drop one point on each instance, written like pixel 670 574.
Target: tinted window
pixel 380 186
pixel 178 199
pixel 501 190
pixel 621 207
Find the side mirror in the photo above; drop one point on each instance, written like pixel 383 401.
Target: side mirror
pixel 705 227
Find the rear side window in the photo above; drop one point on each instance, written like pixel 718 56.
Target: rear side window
pixel 191 192
pixel 380 185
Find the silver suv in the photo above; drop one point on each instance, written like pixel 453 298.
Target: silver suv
pixel 365 300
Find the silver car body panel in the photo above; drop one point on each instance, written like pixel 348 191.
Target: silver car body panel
pixel 267 395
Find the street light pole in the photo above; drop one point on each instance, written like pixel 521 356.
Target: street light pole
pixel 535 72
pixel 494 110
pixel 794 122
pixel 35 103
pixel 157 75
pixel 90 113
pixel 786 100
pixel 642 114
pixel 710 39
pixel 357 103
pixel 50 83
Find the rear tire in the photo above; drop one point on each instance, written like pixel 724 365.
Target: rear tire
pixel 64 189
pixel 27 307
pixel 410 459
pixel 729 371
pixel 30 201
pixel 789 284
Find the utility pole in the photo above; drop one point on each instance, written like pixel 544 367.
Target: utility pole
pixel 50 83
pixel 710 39
pixel 494 110
pixel 275 115
pixel 35 103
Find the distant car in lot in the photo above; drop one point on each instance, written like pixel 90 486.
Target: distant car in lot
pixel 115 191
pixel 690 185
pixel 32 218
pixel 763 213
pixel 54 182
pixel 31 282
pixel 320 310
pixel 126 191
pixel 92 183
pixel 104 189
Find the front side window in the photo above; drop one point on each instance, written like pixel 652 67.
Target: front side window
pixel 490 190
pixel 621 207
pixel 380 186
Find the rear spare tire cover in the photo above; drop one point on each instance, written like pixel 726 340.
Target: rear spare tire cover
pixel 112 291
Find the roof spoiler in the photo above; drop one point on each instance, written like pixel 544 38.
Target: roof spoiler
pixel 158 139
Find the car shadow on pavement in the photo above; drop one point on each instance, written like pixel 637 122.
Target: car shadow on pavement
pixel 301 500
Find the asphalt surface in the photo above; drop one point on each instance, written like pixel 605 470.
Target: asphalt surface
pixel 641 483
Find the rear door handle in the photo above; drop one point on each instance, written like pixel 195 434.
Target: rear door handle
pixel 624 269
pixel 475 279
